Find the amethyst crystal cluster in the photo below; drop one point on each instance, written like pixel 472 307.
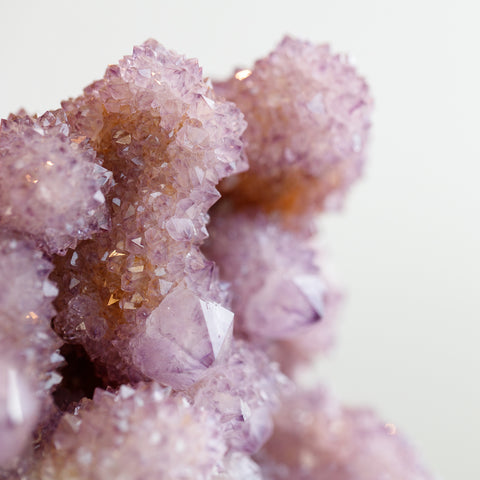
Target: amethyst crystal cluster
pixel 134 343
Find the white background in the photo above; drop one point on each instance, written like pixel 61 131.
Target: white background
pixel 406 245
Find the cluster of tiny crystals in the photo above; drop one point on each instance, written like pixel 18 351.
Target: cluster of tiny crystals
pixel 143 426
pixel 333 442
pixel 241 393
pixel 308 114
pixel 51 186
pixel 182 346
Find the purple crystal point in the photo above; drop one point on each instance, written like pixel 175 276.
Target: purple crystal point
pixel 308 119
pixel 184 335
pixel 25 307
pixel 50 187
pixel 298 351
pixel 277 289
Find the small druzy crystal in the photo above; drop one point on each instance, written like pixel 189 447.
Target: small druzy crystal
pixel 238 466
pixel 168 140
pixel 308 114
pixel 51 183
pixel 317 438
pixel 242 393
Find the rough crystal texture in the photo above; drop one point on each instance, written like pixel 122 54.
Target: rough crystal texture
pixel 308 118
pixel 315 438
pixel 141 433
pixel 168 141
pixel 50 187
pixel 243 393
pixel 27 343
pixel 277 290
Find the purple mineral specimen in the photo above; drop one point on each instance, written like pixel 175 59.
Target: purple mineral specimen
pixel 116 188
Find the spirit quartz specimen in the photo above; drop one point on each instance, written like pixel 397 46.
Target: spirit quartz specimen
pixel 113 192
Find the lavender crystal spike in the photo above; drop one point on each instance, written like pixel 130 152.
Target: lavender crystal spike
pixel 276 288
pixel 184 335
pixel 19 412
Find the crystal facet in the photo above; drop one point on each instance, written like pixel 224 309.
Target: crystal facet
pixel 184 335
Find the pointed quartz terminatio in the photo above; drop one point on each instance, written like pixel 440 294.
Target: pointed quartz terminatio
pixel 19 411
pixel 183 337
pixel 277 290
